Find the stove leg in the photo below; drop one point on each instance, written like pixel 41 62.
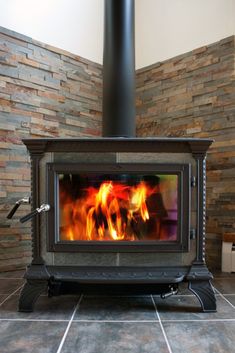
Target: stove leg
pixel 30 293
pixel 205 294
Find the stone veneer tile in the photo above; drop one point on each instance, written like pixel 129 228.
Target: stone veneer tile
pixel 192 95
pixel 149 259
pixel 41 96
pixel 85 259
pixel 85 157
pixel 149 157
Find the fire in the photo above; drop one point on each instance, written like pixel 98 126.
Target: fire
pixel 138 199
pixel 107 212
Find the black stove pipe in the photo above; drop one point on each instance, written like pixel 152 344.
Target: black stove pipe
pixel 119 69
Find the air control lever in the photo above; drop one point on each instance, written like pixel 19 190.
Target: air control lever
pixel 43 208
pixel 25 200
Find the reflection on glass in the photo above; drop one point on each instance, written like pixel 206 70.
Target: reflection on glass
pixel 126 207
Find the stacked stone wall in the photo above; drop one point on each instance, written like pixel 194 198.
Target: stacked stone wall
pixel 193 95
pixel 44 92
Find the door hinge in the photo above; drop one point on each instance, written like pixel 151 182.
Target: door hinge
pixel 192 233
pixel 193 181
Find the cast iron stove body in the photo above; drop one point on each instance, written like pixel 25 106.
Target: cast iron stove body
pixel 120 245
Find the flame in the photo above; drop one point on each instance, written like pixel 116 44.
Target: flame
pixel 138 199
pixel 104 213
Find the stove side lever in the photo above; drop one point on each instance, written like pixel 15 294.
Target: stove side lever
pixel 25 200
pixel 43 208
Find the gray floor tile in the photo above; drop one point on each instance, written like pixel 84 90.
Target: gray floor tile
pixel 116 308
pixel 188 308
pixel 201 337
pixel 31 337
pixel 115 338
pixel 56 308
pixel 230 298
pixel 225 285
pixel 7 286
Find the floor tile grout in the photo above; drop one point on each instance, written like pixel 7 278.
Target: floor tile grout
pixel 69 325
pixel 162 328
pixel 10 295
pixel 154 321
pixel 232 294
pixel 222 296
pixel 198 320
pixel 34 320
pixel 118 321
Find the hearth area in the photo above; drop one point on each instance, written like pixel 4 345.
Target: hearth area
pixel 123 215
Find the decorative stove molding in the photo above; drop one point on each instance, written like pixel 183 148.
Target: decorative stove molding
pixel 104 144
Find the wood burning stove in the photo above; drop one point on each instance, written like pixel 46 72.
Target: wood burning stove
pixel 126 196
pixel 122 214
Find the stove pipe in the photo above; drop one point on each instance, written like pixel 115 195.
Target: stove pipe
pixel 119 69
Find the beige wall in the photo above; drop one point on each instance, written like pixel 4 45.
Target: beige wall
pixel 73 25
pixel 164 28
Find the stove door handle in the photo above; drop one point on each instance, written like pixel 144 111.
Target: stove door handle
pixel 25 200
pixel 43 208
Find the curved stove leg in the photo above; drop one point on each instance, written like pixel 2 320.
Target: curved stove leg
pixel 30 293
pixel 205 294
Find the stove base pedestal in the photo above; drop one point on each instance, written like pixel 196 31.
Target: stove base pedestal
pixel 30 293
pixel 205 294
pixel 199 279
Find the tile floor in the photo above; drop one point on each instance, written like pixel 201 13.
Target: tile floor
pixel 141 324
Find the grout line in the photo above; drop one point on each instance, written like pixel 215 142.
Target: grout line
pixel 162 328
pixel 219 293
pixel 118 321
pixel 34 320
pixel 68 326
pixel 222 296
pixel 152 321
pixel 11 295
pixel 117 296
pixel 199 320
pixel 232 294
